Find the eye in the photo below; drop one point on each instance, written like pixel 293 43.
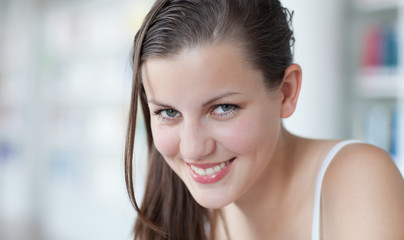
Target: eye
pixel 224 110
pixel 167 114
pixel 225 107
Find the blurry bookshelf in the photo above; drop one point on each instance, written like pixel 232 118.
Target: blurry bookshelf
pixel 65 79
pixel 375 74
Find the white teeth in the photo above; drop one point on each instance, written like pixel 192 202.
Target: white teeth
pixel 209 171
pixel 201 172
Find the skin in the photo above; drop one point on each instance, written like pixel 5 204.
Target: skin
pixel 269 190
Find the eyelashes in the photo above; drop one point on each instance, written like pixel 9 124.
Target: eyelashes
pixel 167 115
pixel 220 112
pixel 224 110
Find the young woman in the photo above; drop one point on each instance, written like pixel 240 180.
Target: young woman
pixel 215 78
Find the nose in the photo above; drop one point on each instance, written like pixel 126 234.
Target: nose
pixel 196 142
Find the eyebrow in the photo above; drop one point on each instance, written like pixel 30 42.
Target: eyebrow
pixel 223 95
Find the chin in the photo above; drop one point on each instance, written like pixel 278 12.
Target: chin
pixel 213 204
pixel 215 201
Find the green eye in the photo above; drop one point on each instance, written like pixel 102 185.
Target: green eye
pixel 169 113
pixel 224 110
pixel 226 107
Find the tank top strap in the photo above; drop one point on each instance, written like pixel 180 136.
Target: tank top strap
pixel 315 235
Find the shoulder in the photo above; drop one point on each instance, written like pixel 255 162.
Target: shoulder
pixel 362 195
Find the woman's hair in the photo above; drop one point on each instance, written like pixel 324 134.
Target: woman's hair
pixel 262 28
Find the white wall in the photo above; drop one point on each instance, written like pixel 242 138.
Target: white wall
pixel 64 89
pixel 318 49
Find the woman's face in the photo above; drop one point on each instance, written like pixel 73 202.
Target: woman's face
pixel 213 120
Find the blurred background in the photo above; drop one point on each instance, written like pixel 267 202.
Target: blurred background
pixel 65 79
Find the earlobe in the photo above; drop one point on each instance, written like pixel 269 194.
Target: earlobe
pixel 290 89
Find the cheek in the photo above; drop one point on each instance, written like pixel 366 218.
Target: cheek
pixel 165 140
pixel 248 133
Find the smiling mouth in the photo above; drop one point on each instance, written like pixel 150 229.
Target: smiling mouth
pixel 211 170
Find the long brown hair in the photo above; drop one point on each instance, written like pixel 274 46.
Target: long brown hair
pixel 262 27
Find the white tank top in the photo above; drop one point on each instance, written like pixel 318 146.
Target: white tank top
pixel 316 229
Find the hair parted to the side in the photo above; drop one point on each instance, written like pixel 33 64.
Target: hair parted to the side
pixel 262 28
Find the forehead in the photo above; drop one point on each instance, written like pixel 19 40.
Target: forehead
pixel 200 70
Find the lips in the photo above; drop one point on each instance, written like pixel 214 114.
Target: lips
pixel 209 173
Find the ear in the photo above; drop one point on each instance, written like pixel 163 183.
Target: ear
pixel 290 89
